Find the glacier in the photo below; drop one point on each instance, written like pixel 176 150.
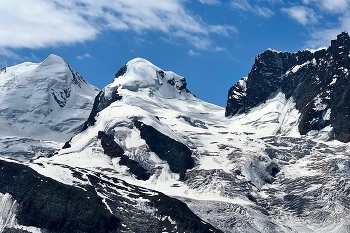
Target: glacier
pixel 148 154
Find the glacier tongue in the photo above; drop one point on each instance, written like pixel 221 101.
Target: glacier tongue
pixel 8 208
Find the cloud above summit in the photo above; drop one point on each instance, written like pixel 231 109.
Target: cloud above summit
pixel 196 38
pixel 323 19
pixel 303 15
pixel 205 27
pixel 39 23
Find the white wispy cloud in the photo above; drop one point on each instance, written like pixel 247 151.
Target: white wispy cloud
pixel 264 12
pixel 330 6
pixel 273 2
pixel 327 18
pixel 41 23
pixel 192 53
pixel 210 2
pixel 241 5
pixel 220 49
pixel 84 56
pixel 302 14
pixel 8 57
pixel 323 36
pixel 223 30
pixel 244 5
pixel 335 6
pixel 9 54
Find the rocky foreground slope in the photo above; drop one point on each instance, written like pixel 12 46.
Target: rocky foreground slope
pixel 152 157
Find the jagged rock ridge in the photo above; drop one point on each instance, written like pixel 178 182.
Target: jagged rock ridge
pixel 317 81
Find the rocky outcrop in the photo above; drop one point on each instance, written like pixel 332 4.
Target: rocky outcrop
pixel 121 71
pixel 112 149
pixel 177 155
pixel 100 103
pixel 52 206
pixel 318 82
pixel 105 205
pixel 265 78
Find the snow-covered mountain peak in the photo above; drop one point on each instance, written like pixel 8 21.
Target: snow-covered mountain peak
pixel 140 75
pixel 53 59
pixel 140 83
pixel 39 100
pixel 57 67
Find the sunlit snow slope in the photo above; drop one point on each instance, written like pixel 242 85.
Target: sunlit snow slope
pixel 41 106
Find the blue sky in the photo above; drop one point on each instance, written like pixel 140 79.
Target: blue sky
pixel 212 43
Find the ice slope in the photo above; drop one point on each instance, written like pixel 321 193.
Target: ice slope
pixel 8 208
pixel 252 172
pixel 45 101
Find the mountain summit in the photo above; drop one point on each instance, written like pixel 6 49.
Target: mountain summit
pixel 141 81
pixel 40 100
pixel 316 81
pixel 140 75
pixel 41 104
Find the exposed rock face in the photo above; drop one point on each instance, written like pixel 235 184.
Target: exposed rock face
pixel 102 100
pixel 51 206
pixel 175 153
pixel 100 103
pixel 121 71
pixel 112 149
pixel 317 81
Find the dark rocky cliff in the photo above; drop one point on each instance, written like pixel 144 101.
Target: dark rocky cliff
pixel 55 207
pixel 318 82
